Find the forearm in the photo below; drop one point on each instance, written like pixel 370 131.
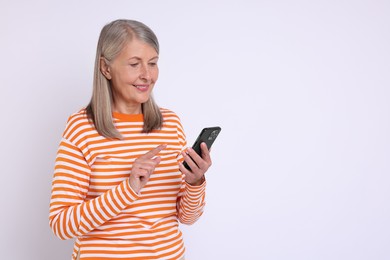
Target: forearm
pixel 70 218
pixel 191 204
pixel 71 214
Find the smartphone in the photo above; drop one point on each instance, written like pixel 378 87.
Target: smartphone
pixel 208 136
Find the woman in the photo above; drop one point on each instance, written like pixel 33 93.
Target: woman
pixel 119 185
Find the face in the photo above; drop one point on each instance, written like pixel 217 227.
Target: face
pixel 132 75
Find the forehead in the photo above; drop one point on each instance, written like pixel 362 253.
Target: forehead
pixel 138 48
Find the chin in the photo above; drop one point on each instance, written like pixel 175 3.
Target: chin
pixel 143 101
pixel 142 98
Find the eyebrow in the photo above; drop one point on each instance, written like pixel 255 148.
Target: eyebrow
pixel 138 58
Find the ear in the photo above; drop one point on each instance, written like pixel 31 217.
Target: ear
pixel 105 68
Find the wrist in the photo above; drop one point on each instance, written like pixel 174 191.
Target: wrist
pixel 199 182
pixel 133 186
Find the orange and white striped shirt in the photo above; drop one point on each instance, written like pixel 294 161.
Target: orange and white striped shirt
pixel 93 201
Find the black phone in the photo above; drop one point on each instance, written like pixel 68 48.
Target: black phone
pixel 208 136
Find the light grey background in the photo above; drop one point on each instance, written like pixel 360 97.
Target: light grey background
pixel 301 89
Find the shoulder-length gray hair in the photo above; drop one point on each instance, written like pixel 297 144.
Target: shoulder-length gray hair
pixel 113 38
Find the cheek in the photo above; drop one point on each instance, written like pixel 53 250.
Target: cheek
pixel 130 76
pixel 155 74
pixel 124 76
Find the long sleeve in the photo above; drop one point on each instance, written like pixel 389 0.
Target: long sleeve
pixel 93 201
pixel 191 199
pixel 191 203
pixel 71 215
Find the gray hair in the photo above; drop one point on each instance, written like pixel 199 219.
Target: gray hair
pixel 113 37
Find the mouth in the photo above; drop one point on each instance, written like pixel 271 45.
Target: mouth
pixel 142 88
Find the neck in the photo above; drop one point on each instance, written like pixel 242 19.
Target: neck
pixel 127 109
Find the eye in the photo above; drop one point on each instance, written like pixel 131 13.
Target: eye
pixel 153 64
pixel 134 65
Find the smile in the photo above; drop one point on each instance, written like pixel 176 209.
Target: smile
pixel 142 87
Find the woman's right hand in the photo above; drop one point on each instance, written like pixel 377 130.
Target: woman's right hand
pixel 143 167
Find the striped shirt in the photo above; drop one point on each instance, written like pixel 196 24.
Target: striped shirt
pixel 92 200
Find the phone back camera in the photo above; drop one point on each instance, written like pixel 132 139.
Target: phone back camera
pixel 213 134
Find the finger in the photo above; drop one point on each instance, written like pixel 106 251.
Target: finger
pixel 152 162
pixel 205 153
pixel 190 177
pixel 183 169
pixel 190 161
pixel 197 159
pixel 153 152
pixel 139 173
pixel 156 161
pixel 149 165
pixel 187 173
pixel 148 162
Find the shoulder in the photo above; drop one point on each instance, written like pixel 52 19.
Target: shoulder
pixel 80 115
pixel 172 121
pixel 77 123
pixel 167 113
pixel 169 116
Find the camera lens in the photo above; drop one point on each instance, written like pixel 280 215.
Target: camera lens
pixel 213 134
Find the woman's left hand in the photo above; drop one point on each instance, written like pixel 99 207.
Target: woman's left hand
pixel 198 164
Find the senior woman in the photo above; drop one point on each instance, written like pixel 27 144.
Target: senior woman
pixel 119 186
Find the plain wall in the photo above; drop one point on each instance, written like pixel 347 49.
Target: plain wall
pixel 301 90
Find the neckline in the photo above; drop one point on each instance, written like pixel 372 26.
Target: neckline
pixel 128 117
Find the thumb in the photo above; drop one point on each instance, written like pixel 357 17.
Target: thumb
pixel 157 160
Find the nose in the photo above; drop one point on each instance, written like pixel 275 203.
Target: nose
pixel 145 73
